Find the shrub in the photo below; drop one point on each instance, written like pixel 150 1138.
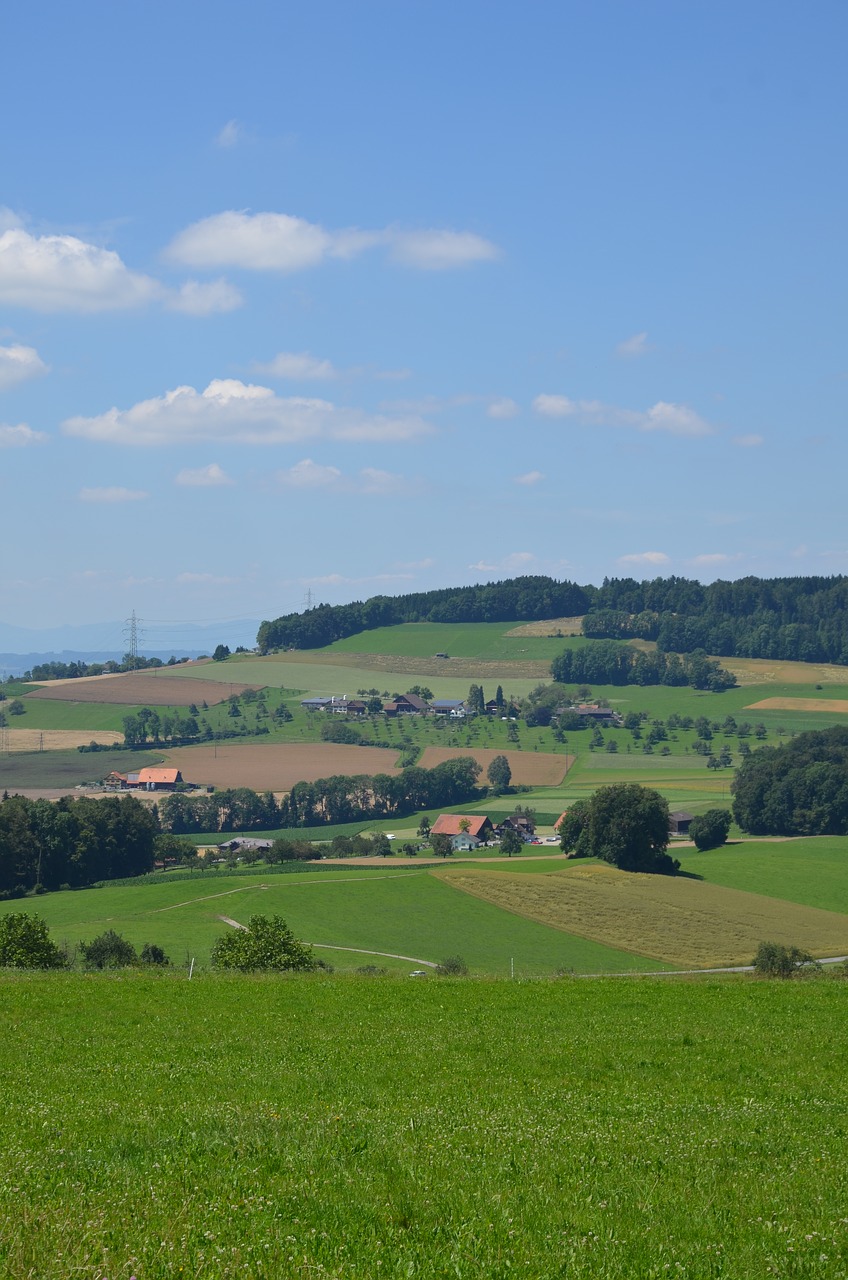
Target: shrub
pixel 709 830
pixel 25 943
pixel 452 967
pixel 774 960
pixel 151 954
pixel 266 943
pixel 108 951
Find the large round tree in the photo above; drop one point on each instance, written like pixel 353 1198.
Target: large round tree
pixel 625 825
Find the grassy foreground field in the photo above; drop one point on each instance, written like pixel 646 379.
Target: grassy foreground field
pixel 356 1128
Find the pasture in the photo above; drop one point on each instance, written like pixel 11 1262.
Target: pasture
pixel 61 771
pixel 683 922
pixel 345 1127
pixel 407 911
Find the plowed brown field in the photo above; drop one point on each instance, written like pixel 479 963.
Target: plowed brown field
pixel 276 767
pixel 529 768
pixel 140 689
pixel 800 704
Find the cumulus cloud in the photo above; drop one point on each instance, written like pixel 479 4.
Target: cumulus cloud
pixel 531 477
pixel 644 558
pixel 114 494
pixel 62 273
pixel 299 367
pixel 242 413
pixel 18 437
pixel 18 363
pixel 282 242
pixel 196 299
pixel 229 135
pixel 674 419
pixel 748 442
pixel 204 477
pixel 637 345
pixel 503 407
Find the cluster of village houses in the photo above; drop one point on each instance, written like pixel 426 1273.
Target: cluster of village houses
pixel 403 704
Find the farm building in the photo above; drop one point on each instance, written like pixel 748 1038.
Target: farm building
pixel 316 704
pixel 243 845
pixel 405 704
pixel 453 707
pixel 154 779
pixel 678 822
pixel 594 714
pixel 477 826
pixel 519 822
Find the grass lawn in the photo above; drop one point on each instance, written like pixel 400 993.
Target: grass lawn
pixel 813 871
pixel 487 641
pixel 284 1129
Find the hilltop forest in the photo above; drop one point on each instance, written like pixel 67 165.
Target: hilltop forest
pixel 793 619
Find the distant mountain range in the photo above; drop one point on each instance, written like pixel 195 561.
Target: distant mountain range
pixel 21 647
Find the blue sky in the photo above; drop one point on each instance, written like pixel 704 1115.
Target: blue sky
pixel 359 298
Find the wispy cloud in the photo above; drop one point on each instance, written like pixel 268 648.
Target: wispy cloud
pixel 502 407
pixel 114 494
pixel 513 563
pixel 637 345
pixel 752 441
pixel 242 413
pixel 299 367
pixel 673 419
pixel 210 476
pixel 529 478
pixel 282 242
pixel 197 299
pixel 18 437
pixel 18 363
pixel 229 135
pixel 307 474
pixel 650 558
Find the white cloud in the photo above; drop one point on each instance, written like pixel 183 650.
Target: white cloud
pixel 440 250
pixel 375 481
pixel 299 367
pixel 712 558
pixel 62 273
pixel 282 242
pixel 675 419
pixel 18 437
pixel 204 477
pixel 748 442
pixel 214 298
pixel 531 477
pixel 18 363
pixel 115 494
pixel 241 413
pixel 307 474
pixel 229 135
pixel 644 558
pixel 637 345
pixel 503 407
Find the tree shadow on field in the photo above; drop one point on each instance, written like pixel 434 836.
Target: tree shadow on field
pixel 687 875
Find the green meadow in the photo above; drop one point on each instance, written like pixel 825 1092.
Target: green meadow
pixel 351 1127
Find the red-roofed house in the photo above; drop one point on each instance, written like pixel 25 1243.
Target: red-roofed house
pixel 155 779
pixel 478 826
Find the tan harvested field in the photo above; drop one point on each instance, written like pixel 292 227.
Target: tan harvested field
pixel 766 671
pixel 688 923
pixel 276 766
pixel 529 768
pixel 140 689
pixel 57 739
pixel 549 627
pixel 800 704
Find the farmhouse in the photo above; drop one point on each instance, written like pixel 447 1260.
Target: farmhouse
pixel 519 822
pixel 405 704
pixel 678 822
pixel 242 844
pixel 591 713
pixel 453 707
pixel 316 704
pixel 477 827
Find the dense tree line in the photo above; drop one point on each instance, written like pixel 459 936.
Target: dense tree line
pixel 523 598
pixel 800 788
pixel 795 619
pixel 340 798
pixel 76 670
pixel 611 662
pixel 803 619
pixel 73 841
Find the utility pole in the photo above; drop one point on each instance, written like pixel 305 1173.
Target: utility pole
pixel 133 632
pixel 307 600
